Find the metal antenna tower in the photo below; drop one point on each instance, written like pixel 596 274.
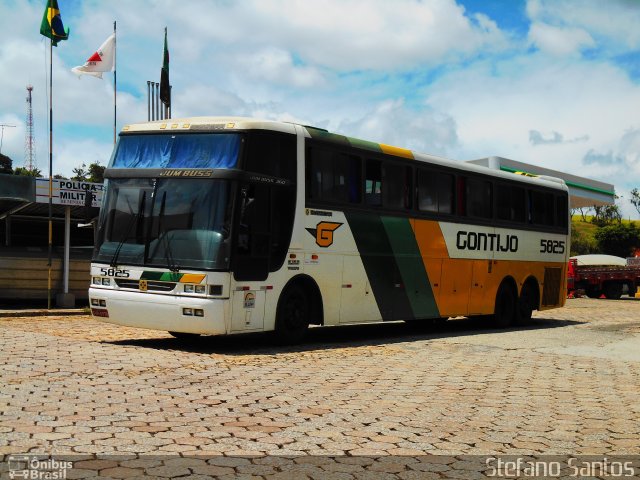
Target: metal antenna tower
pixel 29 139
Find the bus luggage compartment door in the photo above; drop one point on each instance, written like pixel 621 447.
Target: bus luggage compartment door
pixel 248 310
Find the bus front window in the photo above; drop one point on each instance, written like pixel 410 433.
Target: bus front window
pixel 170 223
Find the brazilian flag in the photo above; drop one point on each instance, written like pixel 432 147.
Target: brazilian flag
pixel 51 26
pixel 165 88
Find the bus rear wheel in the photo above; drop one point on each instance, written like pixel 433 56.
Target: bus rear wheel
pixel 526 305
pixel 292 318
pixel 505 309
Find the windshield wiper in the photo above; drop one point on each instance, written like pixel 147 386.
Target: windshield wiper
pixel 173 266
pixel 134 220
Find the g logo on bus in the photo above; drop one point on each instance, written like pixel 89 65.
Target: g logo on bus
pixel 323 233
pixel 142 285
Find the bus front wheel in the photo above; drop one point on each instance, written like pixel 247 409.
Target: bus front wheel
pixel 292 319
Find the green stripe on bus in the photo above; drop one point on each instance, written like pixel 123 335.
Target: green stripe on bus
pixel 161 276
pixel 409 261
pixel 170 277
pixel 150 275
pixel 318 134
pixel 380 264
pixel 364 144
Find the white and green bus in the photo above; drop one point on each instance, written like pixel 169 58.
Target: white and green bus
pixel 228 225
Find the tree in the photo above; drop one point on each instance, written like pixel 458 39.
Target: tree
pixel 582 244
pixel 6 164
pixel 583 212
pixel 93 173
pixel 79 173
pixel 35 172
pixel 96 173
pixel 606 215
pixel 635 199
pixel 620 239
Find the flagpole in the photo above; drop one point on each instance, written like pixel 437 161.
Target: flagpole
pixel 115 51
pixel 49 262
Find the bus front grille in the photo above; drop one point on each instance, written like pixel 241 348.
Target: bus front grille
pixel 151 285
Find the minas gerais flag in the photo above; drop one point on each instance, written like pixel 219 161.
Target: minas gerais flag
pixel 101 61
pixel 51 26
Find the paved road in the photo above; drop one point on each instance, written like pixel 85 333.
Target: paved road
pixel 568 383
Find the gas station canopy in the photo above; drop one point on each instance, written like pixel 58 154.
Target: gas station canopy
pixel 583 192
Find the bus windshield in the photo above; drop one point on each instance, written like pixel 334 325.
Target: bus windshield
pixel 171 223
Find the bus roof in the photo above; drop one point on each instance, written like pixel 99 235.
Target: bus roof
pixel 249 123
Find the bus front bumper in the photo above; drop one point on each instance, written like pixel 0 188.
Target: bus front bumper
pixel 160 312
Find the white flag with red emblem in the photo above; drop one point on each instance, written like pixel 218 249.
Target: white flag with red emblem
pixel 101 61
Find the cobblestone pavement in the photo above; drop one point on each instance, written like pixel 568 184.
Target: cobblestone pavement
pixel 568 383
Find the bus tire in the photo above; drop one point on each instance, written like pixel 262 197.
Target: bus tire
pixel 526 304
pixel 613 290
pixel 292 317
pixel 184 335
pixel 506 304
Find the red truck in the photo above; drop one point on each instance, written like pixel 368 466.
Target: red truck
pixel 598 280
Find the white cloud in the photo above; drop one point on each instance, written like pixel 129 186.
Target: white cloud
pixel 71 154
pixel 344 35
pixel 277 66
pixel 559 41
pixel 496 108
pixel 614 22
pixel 391 122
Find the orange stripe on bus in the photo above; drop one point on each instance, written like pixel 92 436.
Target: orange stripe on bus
pixel 397 151
pixel 192 278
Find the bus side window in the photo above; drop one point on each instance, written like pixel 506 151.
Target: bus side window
pixel 332 176
pixel 461 195
pixel 542 208
pixel 373 183
pixel 561 211
pixel 271 153
pixel 510 203
pixel 435 191
pixel 479 197
pixel 398 180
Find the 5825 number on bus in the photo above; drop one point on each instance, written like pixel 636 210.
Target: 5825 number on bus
pixel 552 246
pixel 113 272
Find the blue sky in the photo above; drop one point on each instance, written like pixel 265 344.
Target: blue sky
pixel 550 82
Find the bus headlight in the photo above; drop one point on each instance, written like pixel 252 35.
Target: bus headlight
pixel 106 281
pixel 187 311
pixel 97 281
pixel 188 288
pixel 201 288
